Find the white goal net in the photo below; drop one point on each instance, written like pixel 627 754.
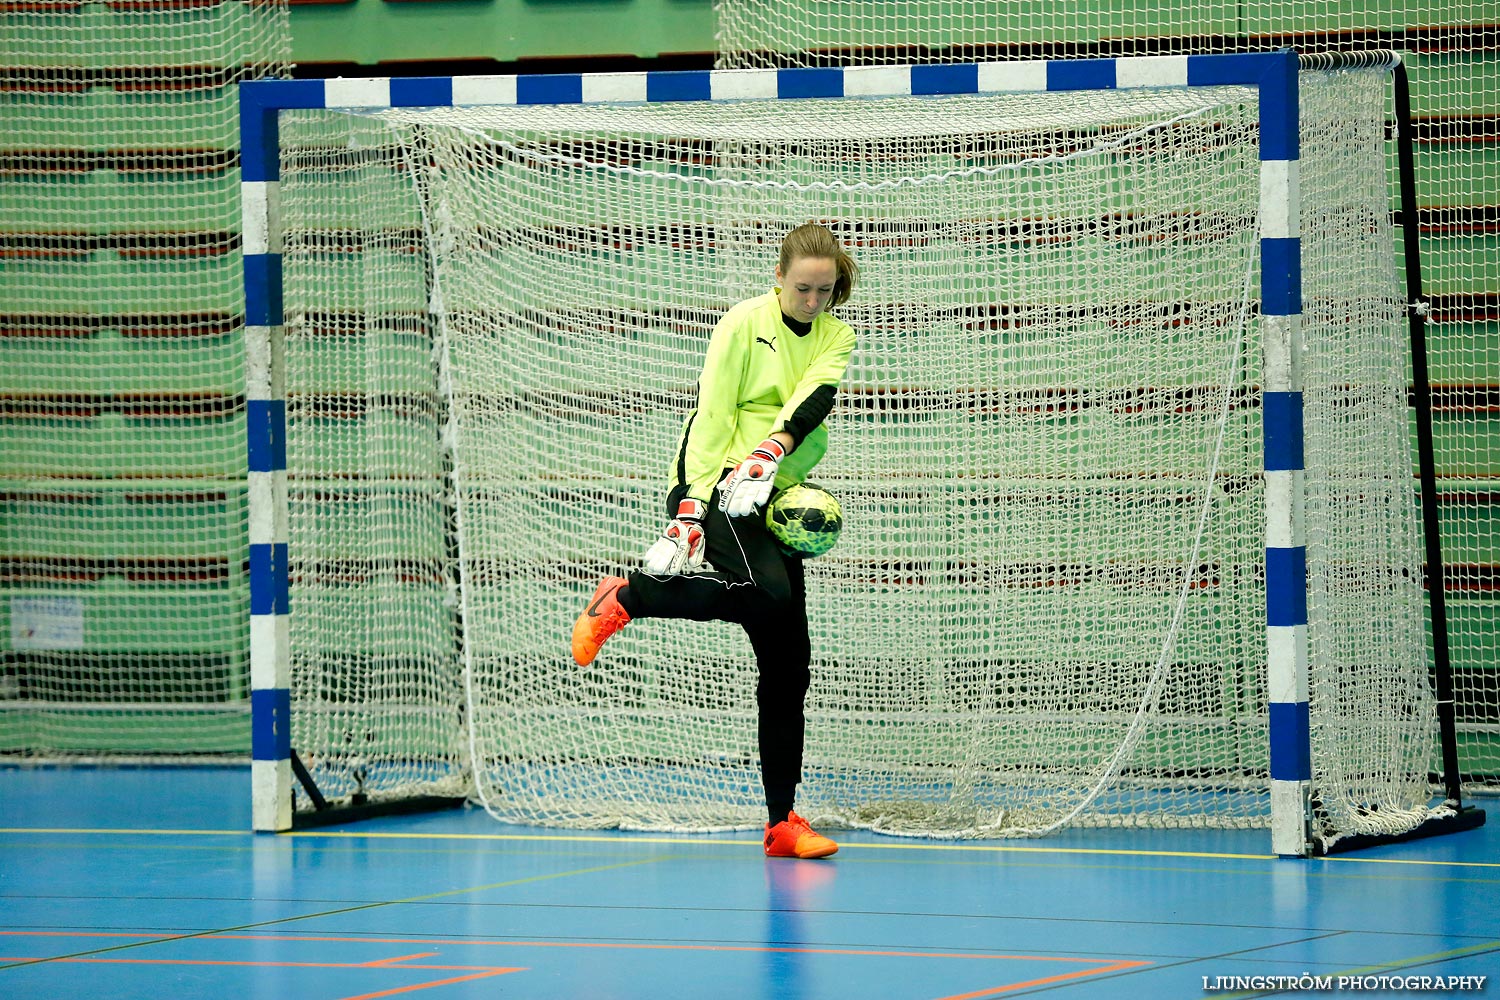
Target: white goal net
pixel 1048 605
pixel 1449 50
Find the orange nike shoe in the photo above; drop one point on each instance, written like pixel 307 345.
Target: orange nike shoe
pixel 793 838
pixel 601 619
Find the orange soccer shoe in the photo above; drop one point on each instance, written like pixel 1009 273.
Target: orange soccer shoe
pixel 601 619
pixel 793 838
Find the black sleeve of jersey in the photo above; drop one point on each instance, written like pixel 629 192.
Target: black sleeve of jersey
pixel 810 413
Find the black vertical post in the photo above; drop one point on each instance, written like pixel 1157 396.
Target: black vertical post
pixel 1416 318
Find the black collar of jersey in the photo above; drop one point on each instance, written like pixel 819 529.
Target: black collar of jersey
pixel 798 327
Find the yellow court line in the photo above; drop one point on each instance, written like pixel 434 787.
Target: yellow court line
pixel 596 869
pixel 121 832
pixel 691 840
pixel 1417 960
pixel 694 840
pixel 1410 861
pixel 1414 962
pixel 374 905
pixel 681 840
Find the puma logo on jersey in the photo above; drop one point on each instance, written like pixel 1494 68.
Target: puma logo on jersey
pixel 769 343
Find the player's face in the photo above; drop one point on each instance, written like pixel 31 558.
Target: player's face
pixel 806 286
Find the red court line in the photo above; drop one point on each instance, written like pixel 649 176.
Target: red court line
pixel 404 958
pixel 425 986
pixel 91 960
pixel 1115 967
pixel 475 971
pixel 623 945
pixel 1104 965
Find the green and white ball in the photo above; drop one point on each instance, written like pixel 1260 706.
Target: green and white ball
pixel 805 520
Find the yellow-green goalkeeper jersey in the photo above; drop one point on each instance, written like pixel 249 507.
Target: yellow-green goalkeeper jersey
pixel 760 376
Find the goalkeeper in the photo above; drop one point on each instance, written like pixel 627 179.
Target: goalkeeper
pixel 773 365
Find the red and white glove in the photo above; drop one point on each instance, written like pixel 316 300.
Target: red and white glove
pixel 680 547
pixel 746 489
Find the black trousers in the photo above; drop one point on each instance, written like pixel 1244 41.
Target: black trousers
pixel 756 586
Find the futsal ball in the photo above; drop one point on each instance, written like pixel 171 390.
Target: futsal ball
pixel 805 520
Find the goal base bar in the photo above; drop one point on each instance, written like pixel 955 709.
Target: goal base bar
pixel 357 812
pixel 1466 818
pixel 359 808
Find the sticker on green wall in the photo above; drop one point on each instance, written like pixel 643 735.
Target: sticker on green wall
pixel 46 623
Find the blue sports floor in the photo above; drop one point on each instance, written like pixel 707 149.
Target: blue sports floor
pixel 117 884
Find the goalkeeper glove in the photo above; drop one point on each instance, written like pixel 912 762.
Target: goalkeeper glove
pixel 680 547
pixel 746 490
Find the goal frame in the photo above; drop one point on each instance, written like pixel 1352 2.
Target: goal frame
pixel 1275 79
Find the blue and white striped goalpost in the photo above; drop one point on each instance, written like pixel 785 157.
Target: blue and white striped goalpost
pixel 265 434
pixel 1274 75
